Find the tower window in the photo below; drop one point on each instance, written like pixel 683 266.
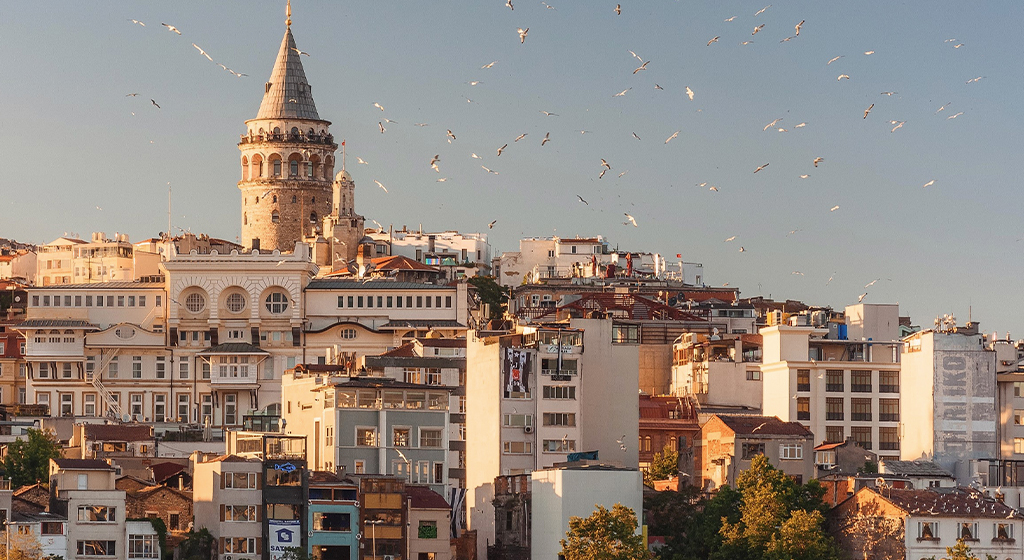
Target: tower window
pixel 309 169
pixel 294 168
pixel 275 199
pixel 261 168
pixel 277 168
pixel 245 219
pixel 294 199
pixel 313 201
pixel 312 217
pixel 275 217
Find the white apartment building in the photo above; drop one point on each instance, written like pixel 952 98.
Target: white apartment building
pixel 536 396
pixel 552 257
pixel 465 254
pixel 76 261
pixel 838 387
pixel 718 370
pixel 18 266
pixel 227 497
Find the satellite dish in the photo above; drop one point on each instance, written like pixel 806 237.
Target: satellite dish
pixel 880 482
pixel 126 418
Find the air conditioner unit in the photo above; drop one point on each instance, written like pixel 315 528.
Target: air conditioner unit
pixel 528 429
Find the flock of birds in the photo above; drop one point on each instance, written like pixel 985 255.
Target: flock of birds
pixel 641 65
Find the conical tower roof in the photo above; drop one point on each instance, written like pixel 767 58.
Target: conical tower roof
pixel 288 94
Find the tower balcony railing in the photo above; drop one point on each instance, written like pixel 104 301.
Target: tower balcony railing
pixel 327 139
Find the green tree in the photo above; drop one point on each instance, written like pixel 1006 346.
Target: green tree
pixel 492 293
pixel 28 460
pixel 960 551
pixel 802 537
pixel 605 535
pixel 700 537
pixel 664 466
pixel 198 546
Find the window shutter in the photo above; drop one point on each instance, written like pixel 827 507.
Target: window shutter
pixel 259 482
pixel 222 545
pixel 259 513
pixel 223 475
pixel 259 546
pixel 222 506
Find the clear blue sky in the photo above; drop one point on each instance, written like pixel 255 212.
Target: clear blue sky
pixel 71 143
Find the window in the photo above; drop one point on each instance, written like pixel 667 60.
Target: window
pixel 67 404
pixel 236 302
pixel 136 405
pixel 277 302
pixel 834 408
pixel 400 437
pixel 753 375
pixel 834 380
pixel 448 301
pixel 751 450
pixel 206 369
pixel 888 439
pixel 563 392
pixel 239 513
pixel 183 368
pixel 207 408
pixel 803 408
pixel 143 546
pixel 329 435
pixel 791 451
pixel 183 401
pixel 159 408
pixel 230 408
pixel 97 548
pixel 161 367
pixel 860 410
pixel 240 480
pixel 97 514
pixel 242 545
pixel 803 380
pixel 136 367
pixel 1002 531
pixel 325 521
pixel 860 381
pixel 112 368
pixel 559 419
pixel 861 435
pixel 517 420
pixel 967 531
pixel 427 530
pixel 359 467
pixel 431 438
pixel 518 447
pixel 66 371
pixel 559 445
pixel 834 434
pixel 889 410
pixel 90 404
pixel 195 302
pixel 888 382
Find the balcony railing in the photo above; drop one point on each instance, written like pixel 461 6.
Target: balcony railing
pixel 288 137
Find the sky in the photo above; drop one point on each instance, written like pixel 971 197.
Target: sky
pixel 82 156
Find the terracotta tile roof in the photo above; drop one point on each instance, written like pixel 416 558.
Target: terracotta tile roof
pixel 828 446
pixel 118 432
pixel 762 425
pixel 403 351
pixel 399 262
pixel 425 498
pixel 83 464
pixel 442 342
pixel 163 471
pixel 963 503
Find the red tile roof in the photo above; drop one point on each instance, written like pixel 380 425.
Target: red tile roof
pixel 964 503
pixel 403 351
pixel 83 464
pixel 163 471
pixel 762 425
pixel 425 498
pixel 398 262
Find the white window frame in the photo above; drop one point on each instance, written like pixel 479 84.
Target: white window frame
pixel 791 451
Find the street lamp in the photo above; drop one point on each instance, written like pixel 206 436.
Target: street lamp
pixel 373 534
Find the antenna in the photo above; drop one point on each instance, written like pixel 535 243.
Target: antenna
pixel 169 210
pixel 342 155
pixel 288 13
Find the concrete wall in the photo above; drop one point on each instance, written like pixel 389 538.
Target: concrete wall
pixel 558 494
pixel 873 321
pixel 440 546
pixel 656 368
pixel 483 441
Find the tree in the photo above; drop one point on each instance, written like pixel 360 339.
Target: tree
pixel 960 551
pixel 664 466
pixel 605 535
pixel 802 537
pixel 28 460
pixel 491 293
pixel 700 536
pixel 198 546
pixel 24 546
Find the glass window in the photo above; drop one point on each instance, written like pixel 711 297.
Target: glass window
pixel 834 380
pixel 518 447
pixel 431 437
pixel 860 381
pixel 791 451
pixel 559 419
pixel 400 437
pixel 888 439
pixel 834 434
pixel 97 514
pixel 803 380
pixel 889 410
pixel 277 302
pixel 834 408
pixel 861 435
pixel 195 302
pixel 97 548
pixel 750 450
pixel 860 410
pixel 366 437
pixel 927 529
pixel 235 302
pixel 803 408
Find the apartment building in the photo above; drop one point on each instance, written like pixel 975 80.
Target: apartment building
pixel 84 492
pixel 69 260
pixel 333 517
pixel 538 395
pixel 13 369
pixel 719 370
pixel 728 443
pixel 456 254
pixel 838 383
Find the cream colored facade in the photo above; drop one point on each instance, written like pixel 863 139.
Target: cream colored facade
pixel 76 261
pixel 95 509
pixel 232 482
pixel 717 370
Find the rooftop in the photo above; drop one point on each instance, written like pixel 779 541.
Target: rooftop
pixel 956 502
pixel 103 286
pixel 55 323
pixel 425 498
pixel 82 464
pixel 762 425
pixel 915 468
pixel 234 348
pixel 368 284
pixel 288 94
pixel 118 432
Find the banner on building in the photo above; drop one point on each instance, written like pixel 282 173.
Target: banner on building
pixel 457 501
pixel 516 366
pixel 284 535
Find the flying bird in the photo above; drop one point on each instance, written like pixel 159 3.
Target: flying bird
pixel 623 173
pixel 715 40
pixel 131 95
pixel 642 67
pixel 623 92
pixel 361 160
pixel 474 156
pixel 297 51
pixel 788 39
pixel 583 201
pixel 450 136
pixel 730 239
pixel 522 34
pixel 379 226
pixel 601 174
pixel 689 93
pixel 928 184
pixel 868 110
pixel 954 115
pixel 730 19
pixel 488 65
pixel 171 28
pixel 502 149
pixel 899 125
pixel 869 53
pixel 798 273
pixel 674 134
pixel 798 27
pixel 442 179
pixel 747 43
pixel 804 176
pixel 871 283
pixel 474 82
pixel 618 9
pixel 154 103
pixel 433 162
pixel 491 225
pixel 818 160
pixel 758 28
pixel 635 136
pixel 605 164
pixel 771 124
pixel 485 168
pixel 943 107
pixel 761 11
pixel 381 125
pixel 631 219
pixel 520 137
pixel 742 249
pixel 861 297
pixel 975 79
pixel 138 22
pixel 801 125
pixel 834 208
pixel 889 93
pixel 509 4
pixel 841 76
pixel 760 167
pixel 547 138
pixel 713 188
pixel 636 56
pixel 381 185
pixel 421 124
pixel 202 52
pixel 833 60
pixel 549 114
pixel 378 105
pixel 548 6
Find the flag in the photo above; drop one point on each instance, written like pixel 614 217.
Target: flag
pixel 678 255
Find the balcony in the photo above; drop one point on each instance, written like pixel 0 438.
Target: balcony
pixel 324 139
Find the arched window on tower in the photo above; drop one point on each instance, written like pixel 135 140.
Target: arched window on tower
pixel 312 217
pixel 257 166
pixel 275 217
pixel 275 162
pixel 294 199
pixel 313 200
pixel 245 219
pixel 275 199
pixel 293 170
pixel 245 168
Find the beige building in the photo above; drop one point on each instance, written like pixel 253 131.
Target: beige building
pixel 101 259
pixel 83 491
pixel 718 370
pixel 429 524
pixel 838 386
pixel 536 396
pixel 20 266
pixel 728 443
pixel 227 498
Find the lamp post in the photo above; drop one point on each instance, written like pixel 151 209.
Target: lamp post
pixel 373 534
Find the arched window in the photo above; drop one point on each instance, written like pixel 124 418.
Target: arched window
pixel 195 302
pixel 275 199
pixel 295 130
pixel 277 302
pixel 293 168
pixel 245 168
pixel 312 217
pixel 235 302
pixel 313 200
pixel 277 168
pixel 275 217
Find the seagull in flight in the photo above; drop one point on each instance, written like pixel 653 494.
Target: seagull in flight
pixel 297 51
pixel 833 60
pixel 868 110
pixel 674 134
pixel 583 201
pixel 502 149
pixel 715 40
pixel 798 27
pixel 421 124
pixel 485 168
pixel 171 28
pixel 378 105
pixel 841 76
pixel 381 125
pixel 520 137
pixel 450 136
pixel 730 239
pixel 549 114
pixel 758 28
pixel 138 22
pixel 522 34
pixel 488 65
pixel 869 53
pixel 899 125
pixel 804 176
pixel 760 167
pixel 871 283
pixel 689 93
pixel 761 11
pixel 642 67
pixel 491 225
pixel 202 52
pixel 834 208
pixel 153 101
pixel 547 138
pixel 361 160
pixel 381 185
pixel 635 136
pixel 801 125
pixel 631 219
pixel 548 6
pixel 743 249
pixel 798 273
pixel 928 184
pixel 954 116
pixel 618 9
pixel 818 160
pixel 713 188
pixel 605 164
pixel 943 107
pixel 433 162
pixel 509 4
pixel 861 297
pixel 131 95
pixel 975 79
pixel 474 156
pixel 622 93
pixel 636 56
pixel 771 124
pixel 889 93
